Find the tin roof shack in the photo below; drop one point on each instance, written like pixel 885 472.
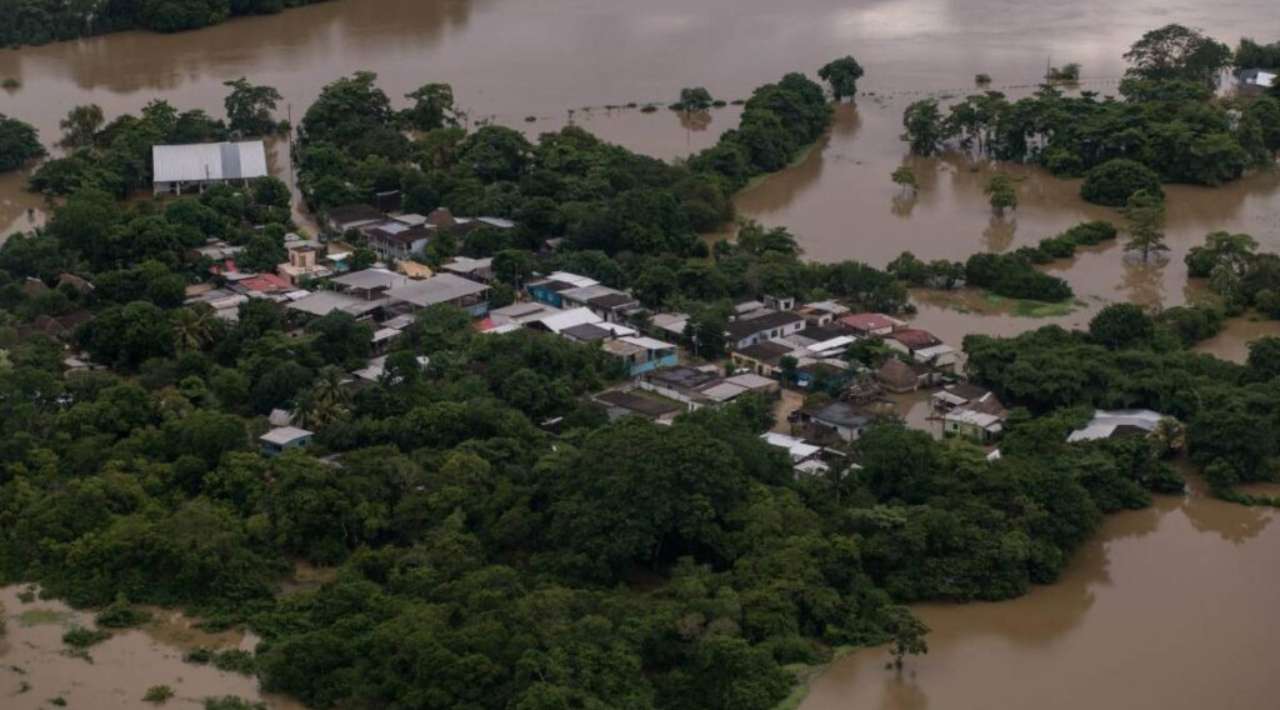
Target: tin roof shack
pixel 347 217
pixel 869 324
pixel 979 426
pixel 640 355
pixel 763 358
pixel 468 295
pixel 1121 422
pixel 822 313
pixel 966 396
pixel 281 439
pixel 196 166
pixel 900 377
pixel 924 348
pixel 624 403
pixel 843 420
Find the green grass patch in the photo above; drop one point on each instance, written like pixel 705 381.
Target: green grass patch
pixel 1033 309
pixel 38 617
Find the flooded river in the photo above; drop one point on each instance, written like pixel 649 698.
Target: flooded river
pixel 1170 607
pixel 36 666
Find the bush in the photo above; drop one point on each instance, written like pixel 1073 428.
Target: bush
pixel 1121 325
pixel 235 661
pixel 158 694
pixel 119 615
pixel 1013 276
pixel 1088 234
pixel 1113 182
pixel 80 637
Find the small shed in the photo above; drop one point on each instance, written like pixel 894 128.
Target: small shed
pixel 282 438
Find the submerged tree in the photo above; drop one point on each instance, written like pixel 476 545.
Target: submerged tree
pixel 1001 189
pixel 695 99
pixel 843 75
pixel 432 108
pixel 908 635
pixel 1175 52
pixel 1146 224
pixel 81 126
pixel 250 107
pixel 19 143
pixel 923 123
pixel 905 178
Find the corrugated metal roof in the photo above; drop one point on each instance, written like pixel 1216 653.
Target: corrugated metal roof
pixel 197 162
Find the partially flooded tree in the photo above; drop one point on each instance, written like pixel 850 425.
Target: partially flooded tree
pixel 924 127
pixel 695 99
pixel 1002 192
pixel 1146 224
pixel 908 635
pixel 432 108
pixel 81 126
pixel 843 75
pixel 905 178
pixel 250 107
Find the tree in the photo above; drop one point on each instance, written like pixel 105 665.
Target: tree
pixel 1122 325
pixel 843 75
pixel 923 122
pixel 432 108
pixel 19 144
pixel 1179 53
pixel 1145 212
pixel 1114 182
pixel 80 127
pixel 194 327
pixel 908 634
pixel 695 99
pixel 1000 189
pixel 905 177
pixel 250 107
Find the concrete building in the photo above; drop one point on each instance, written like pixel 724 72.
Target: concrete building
pixel 468 295
pixel 281 439
pixel 766 325
pixel 196 166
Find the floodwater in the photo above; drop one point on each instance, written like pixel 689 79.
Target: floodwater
pixel 1169 608
pixel 35 667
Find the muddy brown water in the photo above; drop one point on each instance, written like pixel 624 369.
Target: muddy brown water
pixel 35 666
pixel 1170 607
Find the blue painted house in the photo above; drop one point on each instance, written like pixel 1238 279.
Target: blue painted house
pixel 550 289
pixel 640 355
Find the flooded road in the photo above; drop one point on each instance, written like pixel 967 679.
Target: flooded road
pixel 35 667
pixel 1170 608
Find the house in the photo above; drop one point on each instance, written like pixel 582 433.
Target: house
pixel 368 284
pixel 869 324
pixel 304 261
pixel 474 269
pixel 1121 422
pixel 1257 79
pixel 683 384
pixel 831 373
pixel 624 403
pixel 322 303
pixel 966 396
pixel 348 217
pixel 899 377
pixel 763 358
pixel 196 166
pixel 767 325
pixel 586 333
pixel 909 340
pixel 282 438
pixel 805 457
pixel 548 290
pixel 393 240
pixel 671 324
pixel 520 313
pixel 981 427
pixel 942 358
pixel 843 419
pixel 822 312
pixel 610 304
pixel 468 295
pixel 640 354
pixel 731 388
pixel 818 334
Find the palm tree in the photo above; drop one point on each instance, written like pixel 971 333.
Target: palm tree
pixel 326 403
pixel 193 326
pixel 1169 436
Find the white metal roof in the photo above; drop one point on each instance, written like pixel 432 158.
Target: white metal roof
pixel 567 319
pixel 322 303
pixel 724 391
pixel 969 416
pixel 284 435
pixel 647 343
pixel 371 279
pixel 798 448
pixel 196 162
pixel 575 279
pixel 751 381
pixel 1105 422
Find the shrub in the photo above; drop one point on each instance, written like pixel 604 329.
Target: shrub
pixel 158 694
pixel 1113 182
pixel 80 637
pixel 119 615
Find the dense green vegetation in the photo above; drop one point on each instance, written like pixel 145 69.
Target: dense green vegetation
pixel 40 21
pixel 1244 277
pixel 482 561
pixel 1167 120
pixel 19 144
pixel 1129 360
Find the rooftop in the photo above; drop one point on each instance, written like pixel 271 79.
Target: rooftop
pixel 322 303
pixel 649 406
pixel 746 327
pixel 1106 424
pixel 370 279
pixel 441 288
pixel 683 377
pixel 841 414
pixel 350 214
pixel 766 351
pixel 868 322
pixel 914 338
pixel 196 162
pixel 285 435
